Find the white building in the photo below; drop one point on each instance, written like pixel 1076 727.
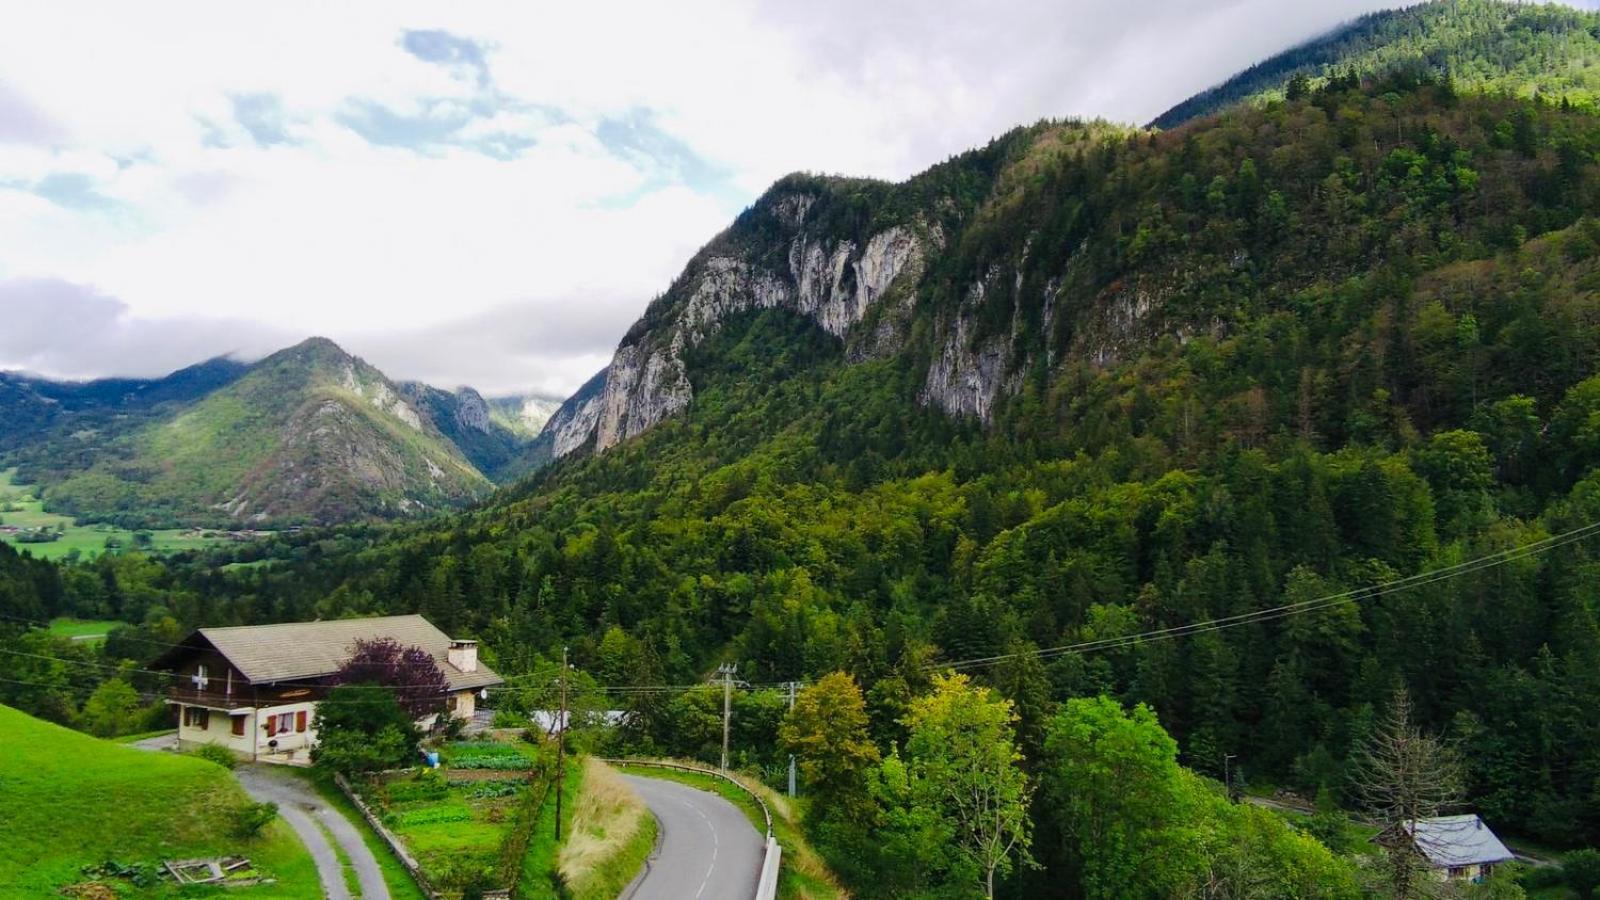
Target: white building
pixel 254 689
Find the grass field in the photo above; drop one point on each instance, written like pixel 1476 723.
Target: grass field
pixel 83 630
pixel 804 875
pixel 68 800
pixel 20 506
pixel 610 836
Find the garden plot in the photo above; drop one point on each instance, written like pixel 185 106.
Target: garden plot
pixel 459 820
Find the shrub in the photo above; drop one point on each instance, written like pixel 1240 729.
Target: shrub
pixel 1581 869
pixel 216 753
pixel 251 818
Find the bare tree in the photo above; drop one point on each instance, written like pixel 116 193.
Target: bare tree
pixel 1403 775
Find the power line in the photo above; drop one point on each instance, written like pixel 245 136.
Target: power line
pixel 1290 609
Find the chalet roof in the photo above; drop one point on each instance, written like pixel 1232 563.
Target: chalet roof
pixel 1457 841
pixel 265 654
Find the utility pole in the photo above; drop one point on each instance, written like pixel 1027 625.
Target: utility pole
pixel 726 670
pixel 791 756
pixel 561 743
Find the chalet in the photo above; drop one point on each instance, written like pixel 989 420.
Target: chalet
pixel 254 689
pixel 1456 848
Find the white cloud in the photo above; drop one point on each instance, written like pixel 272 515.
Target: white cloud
pixel 296 169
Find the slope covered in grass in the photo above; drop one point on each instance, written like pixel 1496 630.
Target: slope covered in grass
pixel 68 800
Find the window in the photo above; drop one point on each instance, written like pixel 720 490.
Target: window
pixel 300 720
pixel 196 717
pixel 283 724
pixel 238 724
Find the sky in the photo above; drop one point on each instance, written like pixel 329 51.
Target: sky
pixel 490 193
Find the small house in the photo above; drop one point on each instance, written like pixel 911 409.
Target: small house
pixel 1455 848
pixel 254 689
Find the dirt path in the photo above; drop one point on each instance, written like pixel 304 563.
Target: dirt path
pixel 309 815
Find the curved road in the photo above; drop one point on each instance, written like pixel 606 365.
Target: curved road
pixel 314 821
pixel 707 850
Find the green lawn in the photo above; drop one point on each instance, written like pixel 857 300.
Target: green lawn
pixel 68 800
pixel 20 506
pixel 83 630
pixel 539 864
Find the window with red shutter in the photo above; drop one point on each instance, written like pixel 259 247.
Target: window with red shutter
pixel 238 724
pixel 300 720
pixel 283 724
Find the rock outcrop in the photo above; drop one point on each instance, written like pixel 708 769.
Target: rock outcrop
pixel 830 279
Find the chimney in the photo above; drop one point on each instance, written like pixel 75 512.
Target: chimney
pixel 464 655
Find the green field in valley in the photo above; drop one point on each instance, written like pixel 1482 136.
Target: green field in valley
pixel 20 507
pixel 68 800
pixel 83 630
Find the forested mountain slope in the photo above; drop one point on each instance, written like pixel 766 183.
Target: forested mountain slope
pixel 29 407
pixel 309 435
pixel 1087 383
pixel 1547 49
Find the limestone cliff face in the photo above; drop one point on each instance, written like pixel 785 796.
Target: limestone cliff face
pixel 472 411
pixel 832 280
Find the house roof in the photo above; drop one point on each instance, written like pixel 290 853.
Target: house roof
pixel 1457 841
pixel 265 654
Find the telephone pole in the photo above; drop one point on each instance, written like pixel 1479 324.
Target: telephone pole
pixel 791 756
pixel 726 670
pixel 561 743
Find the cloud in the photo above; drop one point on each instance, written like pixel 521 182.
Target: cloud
pixel 490 193
pixel 39 312
pixel 23 123
pixel 437 46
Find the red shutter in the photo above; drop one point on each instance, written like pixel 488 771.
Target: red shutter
pixel 238 724
pixel 300 720
pixel 272 725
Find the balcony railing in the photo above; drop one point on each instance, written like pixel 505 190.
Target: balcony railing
pixel 210 699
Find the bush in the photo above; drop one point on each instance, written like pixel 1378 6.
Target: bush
pixel 1581 870
pixel 251 818
pixel 216 753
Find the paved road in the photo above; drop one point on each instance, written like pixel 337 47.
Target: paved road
pixel 708 850
pixel 300 806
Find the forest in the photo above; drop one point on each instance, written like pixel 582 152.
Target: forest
pixel 1373 356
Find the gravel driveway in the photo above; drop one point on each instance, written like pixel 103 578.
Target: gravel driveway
pixel 305 811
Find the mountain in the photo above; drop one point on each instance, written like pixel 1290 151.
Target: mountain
pixel 1088 383
pixel 30 406
pixel 523 415
pixel 1091 410
pixel 570 425
pixel 307 435
pixel 1519 48
pixel 470 423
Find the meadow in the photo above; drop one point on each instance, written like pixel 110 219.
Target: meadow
pixel 68 800
pixel 21 507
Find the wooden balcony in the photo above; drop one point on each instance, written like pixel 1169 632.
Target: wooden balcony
pixel 209 699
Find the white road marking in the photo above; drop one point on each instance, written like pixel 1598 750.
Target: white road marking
pixel 713 829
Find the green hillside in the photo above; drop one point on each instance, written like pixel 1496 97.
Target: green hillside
pixel 1275 356
pixel 308 435
pixel 68 800
pixel 1517 48
pixel 1084 386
